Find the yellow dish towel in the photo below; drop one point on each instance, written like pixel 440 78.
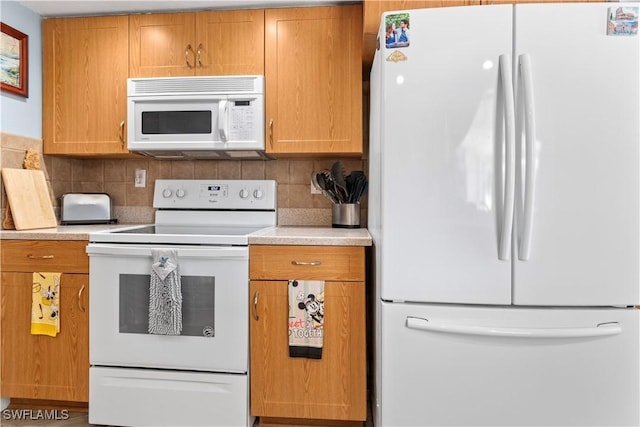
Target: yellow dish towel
pixel 45 304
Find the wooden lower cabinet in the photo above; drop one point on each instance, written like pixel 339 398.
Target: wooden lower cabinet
pixel 40 366
pixel 321 391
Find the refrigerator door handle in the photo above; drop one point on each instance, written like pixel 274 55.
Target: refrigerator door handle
pixel 600 330
pixel 509 153
pixel 530 158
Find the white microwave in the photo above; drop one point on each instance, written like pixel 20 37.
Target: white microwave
pixel 196 117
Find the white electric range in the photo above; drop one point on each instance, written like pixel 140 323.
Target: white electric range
pixel 199 377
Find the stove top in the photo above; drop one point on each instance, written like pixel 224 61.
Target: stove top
pixel 202 212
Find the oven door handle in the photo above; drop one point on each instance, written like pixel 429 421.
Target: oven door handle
pixel 144 251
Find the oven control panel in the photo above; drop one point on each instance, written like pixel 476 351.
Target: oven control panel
pixel 215 194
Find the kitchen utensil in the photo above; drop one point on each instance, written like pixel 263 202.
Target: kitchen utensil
pixel 28 197
pixel 318 182
pixel 357 183
pixel 337 171
pixel 325 179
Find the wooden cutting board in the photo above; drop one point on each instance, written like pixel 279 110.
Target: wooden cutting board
pixel 28 197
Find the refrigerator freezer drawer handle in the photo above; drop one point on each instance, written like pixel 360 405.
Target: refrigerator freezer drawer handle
pixel 604 329
pixel 504 247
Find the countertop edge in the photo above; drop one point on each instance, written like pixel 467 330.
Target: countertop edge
pixel 279 235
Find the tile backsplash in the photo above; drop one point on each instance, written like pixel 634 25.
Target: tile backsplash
pixel 296 204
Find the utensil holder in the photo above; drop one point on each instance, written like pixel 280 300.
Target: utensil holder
pixel 346 215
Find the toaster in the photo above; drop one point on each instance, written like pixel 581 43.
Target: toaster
pixel 86 208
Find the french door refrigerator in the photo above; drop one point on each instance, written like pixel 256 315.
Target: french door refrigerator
pixel 504 209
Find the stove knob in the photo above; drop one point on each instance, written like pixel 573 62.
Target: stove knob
pixel 258 194
pixel 244 193
pixel 180 193
pixel 166 193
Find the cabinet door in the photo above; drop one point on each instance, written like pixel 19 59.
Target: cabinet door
pixel 38 366
pixel 333 387
pixel 85 74
pixel 230 42
pixel 162 45
pixel 313 76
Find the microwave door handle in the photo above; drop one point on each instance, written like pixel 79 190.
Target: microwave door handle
pixel 222 119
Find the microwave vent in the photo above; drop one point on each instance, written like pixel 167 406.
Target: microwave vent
pixel 223 85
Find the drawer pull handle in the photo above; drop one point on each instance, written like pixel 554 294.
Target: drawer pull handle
pixel 306 262
pixel 31 256
pixel 255 305
pixel 80 306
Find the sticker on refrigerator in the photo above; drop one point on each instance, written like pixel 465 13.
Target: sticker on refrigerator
pixel 396 56
pixel 397 33
pixel 622 21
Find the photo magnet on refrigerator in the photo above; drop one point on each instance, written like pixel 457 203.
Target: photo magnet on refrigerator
pixel 622 21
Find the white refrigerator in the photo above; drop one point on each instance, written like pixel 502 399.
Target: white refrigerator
pixel 504 207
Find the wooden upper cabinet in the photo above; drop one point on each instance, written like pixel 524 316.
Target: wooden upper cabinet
pixel 85 70
pixel 162 45
pixel 313 75
pixel 202 43
pixel 232 42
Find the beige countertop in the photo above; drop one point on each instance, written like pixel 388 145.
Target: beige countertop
pixel 301 235
pixel 286 235
pixel 61 232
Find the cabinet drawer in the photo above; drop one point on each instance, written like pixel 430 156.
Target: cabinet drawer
pixel 339 263
pixel 45 255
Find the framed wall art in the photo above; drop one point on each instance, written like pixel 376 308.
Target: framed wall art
pixel 14 54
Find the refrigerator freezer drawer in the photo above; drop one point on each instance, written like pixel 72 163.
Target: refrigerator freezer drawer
pixel 461 365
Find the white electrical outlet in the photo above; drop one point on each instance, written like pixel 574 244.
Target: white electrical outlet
pixel 140 178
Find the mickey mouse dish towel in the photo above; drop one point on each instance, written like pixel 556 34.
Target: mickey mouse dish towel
pixel 165 293
pixel 45 304
pixel 306 318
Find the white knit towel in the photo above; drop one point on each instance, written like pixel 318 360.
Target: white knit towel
pixel 165 293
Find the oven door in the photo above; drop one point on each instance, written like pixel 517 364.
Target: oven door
pixel 214 283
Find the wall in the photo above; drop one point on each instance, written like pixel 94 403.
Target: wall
pixel 296 204
pixel 23 116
